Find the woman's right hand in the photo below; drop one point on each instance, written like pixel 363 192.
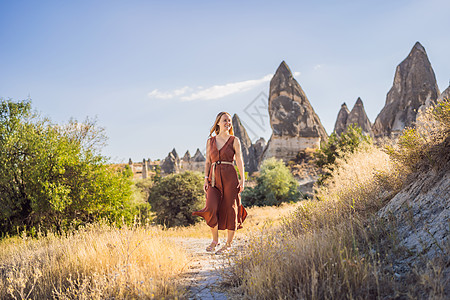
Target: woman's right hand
pixel 205 186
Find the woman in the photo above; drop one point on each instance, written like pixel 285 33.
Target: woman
pixel 223 208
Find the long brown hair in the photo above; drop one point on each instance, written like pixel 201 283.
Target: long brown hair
pixel 216 127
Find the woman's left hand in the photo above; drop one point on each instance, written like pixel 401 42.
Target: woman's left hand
pixel 241 185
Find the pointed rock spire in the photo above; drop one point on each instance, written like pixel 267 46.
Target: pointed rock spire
pixel 414 83
pixel 198 156
pixel 259 146
pixel 341 120
pixel 359 117
pixel 175 154
pixel 295 125
pixel 170 164
pixel 283 72
pixel 248 152
pixel 187 156
pixel 418 47
pixel 291 113
pixel 240 132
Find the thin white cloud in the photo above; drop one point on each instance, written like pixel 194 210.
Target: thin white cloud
pixel 297 74
pixel 317 67
pixel 168 95
pixel 215 92
pixel 220 91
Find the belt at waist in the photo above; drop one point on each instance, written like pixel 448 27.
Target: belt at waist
pixel 213 179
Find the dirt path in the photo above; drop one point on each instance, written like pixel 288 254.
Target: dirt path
pixel 205 272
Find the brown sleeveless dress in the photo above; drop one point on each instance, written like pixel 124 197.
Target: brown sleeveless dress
pixel 223 201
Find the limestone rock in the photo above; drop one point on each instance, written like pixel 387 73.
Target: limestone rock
pixel 194 163
pixel 187 157
pixel 295 125
pixel 422 210
pixel 198 156
pixel 170 164
pixel 359 117
pixel 185 162
pixel 305 171
pixel 247 149
pixel 175 154
pixel 414 83
pixel 259 146
pixel 144 169
pixel 341 121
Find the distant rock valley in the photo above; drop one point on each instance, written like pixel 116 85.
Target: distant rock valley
pixel 297 130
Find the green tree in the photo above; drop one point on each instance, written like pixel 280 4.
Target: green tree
pixel 275 185
pixel 339 146
pixel 157 176
pixel 53 175
pixel 173 198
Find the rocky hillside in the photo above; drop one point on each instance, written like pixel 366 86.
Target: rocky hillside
pixel 420 211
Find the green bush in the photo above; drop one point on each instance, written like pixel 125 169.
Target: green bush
pixel 275 185
pixel 339 146
pixel 53 176
pixel 173 198
pixel 140 207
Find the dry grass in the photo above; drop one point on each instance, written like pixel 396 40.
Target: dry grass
pixel 336 248
pixel 327 249
pixel 258 218
pixel 97 262
pixel 101 261
pixel 356 187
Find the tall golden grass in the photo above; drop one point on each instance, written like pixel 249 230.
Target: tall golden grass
pixel 102 261
pixel 317 252
pixel 97 262
pixel 334 248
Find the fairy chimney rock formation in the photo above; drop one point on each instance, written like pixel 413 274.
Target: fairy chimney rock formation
pixel 259 146
pixel 359 117
pixel 187 157
pixel 175 154
pixel 341 121
pixel 198 156
pixel 170 164
pixel 247 149
pixel 144 169
pixel 414 83
pixel 295 125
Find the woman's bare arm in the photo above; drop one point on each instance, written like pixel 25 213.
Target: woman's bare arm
pixel 239 162
pixel 207 165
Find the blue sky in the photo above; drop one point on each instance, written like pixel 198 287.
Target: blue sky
pixel 155 74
